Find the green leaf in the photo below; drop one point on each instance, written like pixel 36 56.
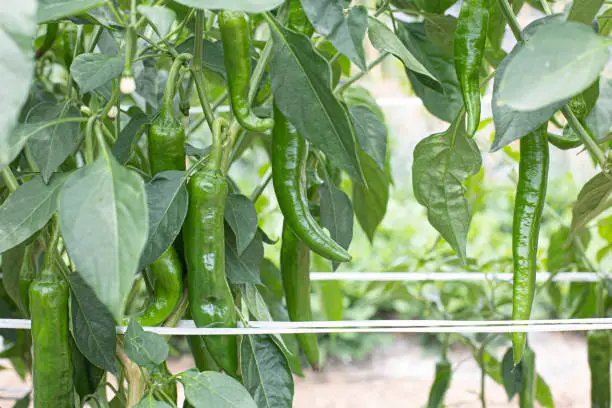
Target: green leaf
pixel 443 104
pixel 592 200
pixel 371 134
pixel 370 203
pixel 543 394
pixel 128 138
pixel 345 30
pixel 432 6
pixel 512 376
pixel 336 214
pixel 251 6
pixel 17 29
pixel 149 84
pixel 146 349
pixel 93 326
pixel 53 144
pixel 511 124
pixel 243 268
pixel 104 222
pixel 563 253
pixel 149 402
pixel 605 23
pixel 212 54
pixel 266 372
pixel 57 9
pixel 167 200
pixel 271 278
pixel 18 265
pixel 385 40
pixel 209 389
pixel 560 60
pixel 159 16
pixel 301 83
pixel 439 387
pixel 28 209
pixel 23 402
pixel 599 120
pixel 442 163
pixel 241 216
pixel 92 71
pixel 584 11
pixel 441 30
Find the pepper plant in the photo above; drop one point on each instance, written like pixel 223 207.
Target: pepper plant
pixel 122 122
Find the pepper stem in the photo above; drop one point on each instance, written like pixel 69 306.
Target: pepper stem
pixel 216 153
pixel 170 89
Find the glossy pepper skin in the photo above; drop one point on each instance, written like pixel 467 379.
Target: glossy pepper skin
pixel 201 356
pixel 168 274
pixel 210 299
pixel 295 272
pixel 236 38
pixel 289 155
pixel 53 370
pixel 528 207
pixel 470 38
pixel 599 353
pixel 167 134
pixel 528 386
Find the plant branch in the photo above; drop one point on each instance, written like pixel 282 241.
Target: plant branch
pixel 9 179
pixel 135 380
pixel 342 87
pixel 198 72
pixel 511 18
pixel 262 185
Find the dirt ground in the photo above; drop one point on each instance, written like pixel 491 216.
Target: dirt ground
pixel 400 376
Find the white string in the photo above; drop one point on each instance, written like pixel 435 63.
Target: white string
pixel 453 276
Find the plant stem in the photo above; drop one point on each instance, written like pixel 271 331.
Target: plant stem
pixel 342 87
pixel 198 72
pixel 589 143
pixel 262 185
pixel 260 69
pixel 135 380
pixel 511 18
pixel 9 179
pixel 546 6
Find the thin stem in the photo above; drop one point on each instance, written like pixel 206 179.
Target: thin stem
pixel 589 143
pixel 52 252
pixel 89 153
pixel 170 90
pixel 216 153
pixel 546 6
pixel 114 12
pixel 74 55
pixel 94 40
pixel 197 70
pixel 342 87
pixel 9 179
pixel 262 185
pixel 260 70
pixel 511 18
pixel 135 380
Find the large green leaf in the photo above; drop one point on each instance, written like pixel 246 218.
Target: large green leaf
pixel 17 29
pixel 385 40
pixel 128 138
pixel 241 216
pixel 584 11
pixel 52 145
pixel 93 326
pixel 511 124
pixel 266 372
pixel 301 83
pixel 563 253
pixel 149 402
pixel 336 214
pixel 441 30
pixel 512 376
pixel 599 120
pixel 92 71
pixel 57 9
pixel 252 6
pixel 442 163
pixel 158 16
pixel 210 389
pixel 560 60
pixel 371 134
pixel 104 222
pixel 27 210
pixel 444 104
pixel 370 202
pixel 146 349
pixel 243 268
pixel 167 200
pixel 18 265
pixel 345 30
pixel 592 200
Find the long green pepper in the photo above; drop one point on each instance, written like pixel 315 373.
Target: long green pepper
pixel 599 353
pixel 236 39
pixel 210 298
pixel 527 393
pixel 470 39
pixel 528 207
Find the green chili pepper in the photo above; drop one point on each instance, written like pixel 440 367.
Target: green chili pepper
pixel 528 385
pixel 528 206
pixel 50 36
pixel 563 142
pixel 470 38
pixel 201 356
pixel 289 154
pixel 236 38
pixel 210 298
pixel 599 363
pixel 439 388
pixel 53 370
pixel 295 271
pixel 298 21
pixel 167 134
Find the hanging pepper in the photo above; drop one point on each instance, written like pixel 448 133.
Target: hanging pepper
pixel 528 385
pixel 210 298
pixel 528 207
pixel 53 370
pixel 236 38
pixel 295 271
pixel 201 356
pixel 289 154
pixel 439 388
pixel 470 38
pixel 599 352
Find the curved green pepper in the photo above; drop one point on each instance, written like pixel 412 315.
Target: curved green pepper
pixel 599 352
pixel 210 298
pixel 470 38
pixel 53 370
pixel 295 271
pixel 289 154
pixel 201 356
pixel 528 207
pixel 563 142
pixel 236 38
